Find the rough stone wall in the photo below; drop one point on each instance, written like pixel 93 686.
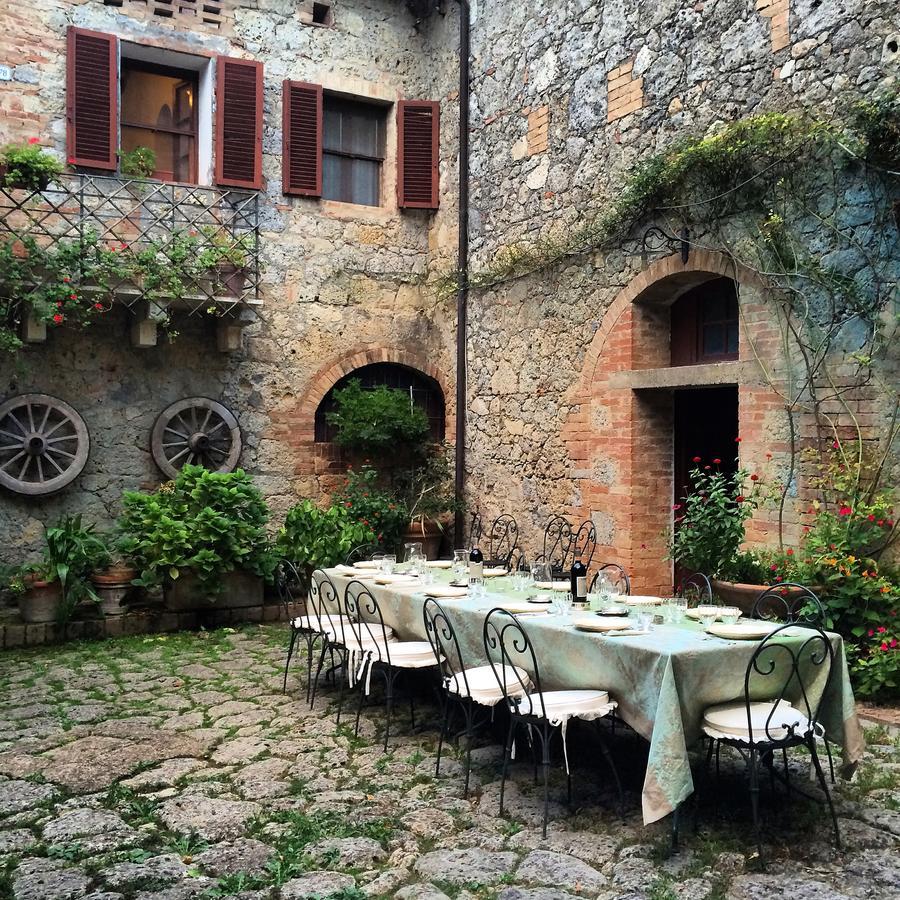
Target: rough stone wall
pixel 618 81
pixel 339 280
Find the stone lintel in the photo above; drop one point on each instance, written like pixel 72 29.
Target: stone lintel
pixel 704 375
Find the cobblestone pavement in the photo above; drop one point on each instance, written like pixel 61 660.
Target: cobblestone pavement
pixel 167 768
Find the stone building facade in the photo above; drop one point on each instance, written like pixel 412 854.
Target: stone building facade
pixel 343 285
pixel 571 402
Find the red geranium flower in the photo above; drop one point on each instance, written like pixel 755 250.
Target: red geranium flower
pixel 34 140
pixel 737 440
pixel 870 517
pixel 881 629
pixel 754 477
pixel 98 306
pixel 717 462
pixel 884 645
pixel 845 511
pixel 696 459
pixel 58 318
pixel 739 498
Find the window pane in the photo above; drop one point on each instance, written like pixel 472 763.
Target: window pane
pixel 732 340
pixel 174 153
pixel 351 180
pixel 331 133
pixel 713 340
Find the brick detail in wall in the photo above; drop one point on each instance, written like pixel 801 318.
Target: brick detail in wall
pixel 624 93
pixel 778 12
pixel 209 15
pixel 537 137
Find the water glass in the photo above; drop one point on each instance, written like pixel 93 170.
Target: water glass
pixel 562 605
pixel 645 621
pixel 595 601
pixel 679 610
pixel 460 564
pixel 542 572
pixel 427 576
pixel 388 563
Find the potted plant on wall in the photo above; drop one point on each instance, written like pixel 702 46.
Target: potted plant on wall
pixel 112 583
pixel 53 588
pixel 27 167
pixel 202 538
pixel 224 256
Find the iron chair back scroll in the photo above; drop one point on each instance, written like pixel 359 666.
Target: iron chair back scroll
pixel 791 603
pixel 616 574
pixel 502 541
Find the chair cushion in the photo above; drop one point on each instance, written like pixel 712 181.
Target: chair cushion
pixel 366 640
pixel 729 720
pixel 483 687
pixel 560 705
pixel 314 623
pixel 404 654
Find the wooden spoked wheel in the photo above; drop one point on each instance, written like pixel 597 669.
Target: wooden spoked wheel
pixel 196 431
pixel 44 444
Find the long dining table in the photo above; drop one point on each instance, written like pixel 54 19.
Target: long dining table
pixel 662 680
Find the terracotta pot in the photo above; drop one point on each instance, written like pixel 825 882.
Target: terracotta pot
pixel 232 278
pixel 240 589
pixel 429 534
pixel 741 595
pixel 114 576
pixel 40 603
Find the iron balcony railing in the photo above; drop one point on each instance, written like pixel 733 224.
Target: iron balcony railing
pixel 127 240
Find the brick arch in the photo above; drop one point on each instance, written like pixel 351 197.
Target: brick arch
pixel 619 439
pixel 329 375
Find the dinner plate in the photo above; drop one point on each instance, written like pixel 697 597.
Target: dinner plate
pixel 698 612
pixel 396 579
pixel 552 585
pixel 742 631
pixel 540 598
pixel 518 606
pixel 495 572
pixel 439 563
pixel 616 611
pixel 367 564
pixel 635 600
pixel 594 623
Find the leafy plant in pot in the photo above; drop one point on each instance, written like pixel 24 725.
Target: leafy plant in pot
pixel 53 588
pixel 112 583
pixel 225 256
pixel 709 529
pixel 27 167
pixel 313 537
pixel 202 538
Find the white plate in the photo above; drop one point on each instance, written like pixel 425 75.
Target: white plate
pixel 552 585
pixel 366 564
pixel 742 631
pixel 439 563
pixel 698 612
pixel 634 600
pixel 494 573
pixel 518 606
pixel 596 623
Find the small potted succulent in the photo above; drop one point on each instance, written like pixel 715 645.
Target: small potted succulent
pixel 53 588
pixel 27 167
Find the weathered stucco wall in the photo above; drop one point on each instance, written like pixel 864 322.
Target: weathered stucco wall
pixel 339 279
pixel 566 98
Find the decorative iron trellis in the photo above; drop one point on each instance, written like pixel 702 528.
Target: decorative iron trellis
pixel 132 215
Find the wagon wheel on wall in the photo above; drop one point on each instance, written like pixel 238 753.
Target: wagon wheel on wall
pixel 44 444
pixel 196 431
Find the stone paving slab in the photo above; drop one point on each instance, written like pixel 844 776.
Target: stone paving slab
pixel 173 768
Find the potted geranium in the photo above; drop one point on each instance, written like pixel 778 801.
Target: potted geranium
pixel 427 493
pixel 51 589
pixel 27 167
pixel 709 530
pixel 202 538
pixel 224 256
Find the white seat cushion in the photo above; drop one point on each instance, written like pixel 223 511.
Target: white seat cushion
pixel 404 654
pixel 366 639
pixel 561 705
pixel 316 623
pixel 729 721
pixel 483 686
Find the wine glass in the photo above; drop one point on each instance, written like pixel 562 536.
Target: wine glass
pixel 460 564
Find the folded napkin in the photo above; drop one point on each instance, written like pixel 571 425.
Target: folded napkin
pixel 439 563
pixel 552 585
pixel 346 570
pixel 367 564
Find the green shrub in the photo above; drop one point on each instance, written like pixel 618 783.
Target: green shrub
pixel 27 165
pixel 314 538
pixel 378 421
pixel 204 523
pixel 367 500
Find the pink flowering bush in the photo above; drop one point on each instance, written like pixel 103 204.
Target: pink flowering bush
pixel 875 664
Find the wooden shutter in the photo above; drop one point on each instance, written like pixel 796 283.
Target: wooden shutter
pixel 418 127
pixel 301 129
pixel 239 119
pixel 92 99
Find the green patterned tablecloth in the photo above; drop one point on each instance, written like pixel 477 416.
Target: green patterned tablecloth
pixel 663 680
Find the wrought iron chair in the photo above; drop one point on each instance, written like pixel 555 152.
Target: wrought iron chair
pixel 357 554
pixel 791 603
pixel 372 650
pixel 465 688
pixel 696 589
pixel 312 627
pixel 616 575
pixel 795 604
pixel 563 545
pixel 543 713
pixel 475 529
pixel 502 541
pixel 785 668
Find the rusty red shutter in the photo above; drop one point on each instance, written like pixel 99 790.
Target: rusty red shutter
pixel 92 99
pixel 301 129
pixel 239 119
pixel 418 126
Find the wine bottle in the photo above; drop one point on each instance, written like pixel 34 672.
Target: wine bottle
pixel 579 583
pixel 476 566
